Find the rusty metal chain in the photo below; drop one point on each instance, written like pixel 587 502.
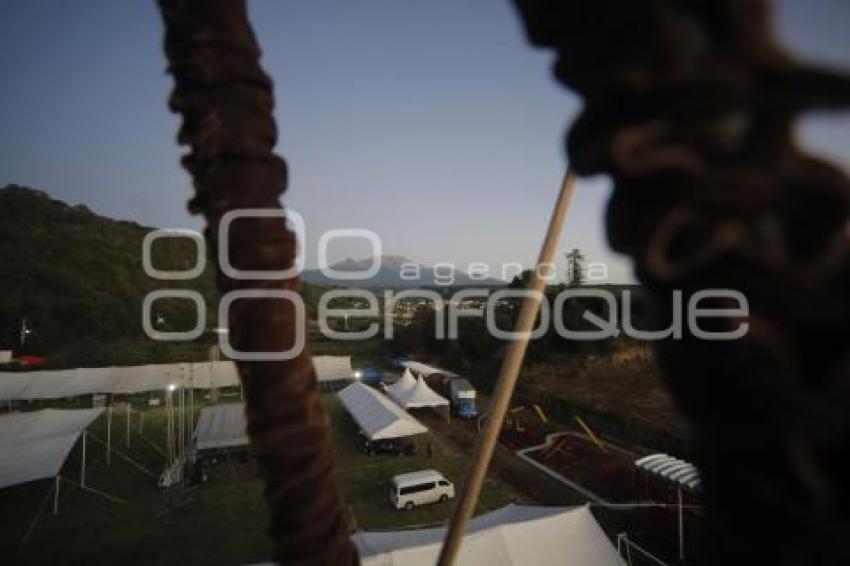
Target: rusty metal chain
pixel 226 102
pixel 690 107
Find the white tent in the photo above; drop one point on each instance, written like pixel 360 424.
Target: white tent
pixel 13 384
pixel 208 375
pixel 425 370
pixel 376 414
pixel 34 445
pixel 57 384
pixel 402 385
pixel 333 368
pixel 672 469
pixel 221 426
pixel 420 395
pixel 514 534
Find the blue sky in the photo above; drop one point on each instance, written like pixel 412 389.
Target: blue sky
pixel 432 123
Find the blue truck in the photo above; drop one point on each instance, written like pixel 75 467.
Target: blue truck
pixel 462 396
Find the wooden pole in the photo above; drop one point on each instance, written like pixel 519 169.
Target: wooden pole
pixel 508 374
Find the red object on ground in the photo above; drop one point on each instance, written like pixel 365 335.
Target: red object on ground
pixel 28 360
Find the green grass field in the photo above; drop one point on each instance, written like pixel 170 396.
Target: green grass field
pixel 219 522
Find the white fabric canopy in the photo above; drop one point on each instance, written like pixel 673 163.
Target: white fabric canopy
pixel 333 368
pixel 402 385
pixel 57 384
pixel 425 370
pixel 376 414
pixel 527 536
pixel 34 445
pixel 672 469
pixel 420 395
pixel 221 426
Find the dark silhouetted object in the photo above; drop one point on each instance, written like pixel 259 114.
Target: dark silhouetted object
pixel 690 105
pixel 226 101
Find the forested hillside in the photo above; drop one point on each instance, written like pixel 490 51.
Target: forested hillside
pixel 77 279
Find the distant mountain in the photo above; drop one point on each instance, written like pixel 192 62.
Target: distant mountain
pixel 397 272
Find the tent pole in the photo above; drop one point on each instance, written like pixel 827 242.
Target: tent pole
pixel 681 526
pixel 168 427
pixel 108 432
pixel 191 410
pixel 178 424
pixel 56 497
pixel 83 465
pixel 170 432
pixel 190 423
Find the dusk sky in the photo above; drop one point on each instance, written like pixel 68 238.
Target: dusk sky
pixel 432 123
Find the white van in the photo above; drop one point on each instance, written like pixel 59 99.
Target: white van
pixel 420 488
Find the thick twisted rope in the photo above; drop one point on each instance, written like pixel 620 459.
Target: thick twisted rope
pixel 226 101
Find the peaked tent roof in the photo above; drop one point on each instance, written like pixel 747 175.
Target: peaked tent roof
pixel 221 426
pixel 511 535
pixel 34 445
pixel 425 370
pixel 420 395
pixel 405 383
pixel 376 414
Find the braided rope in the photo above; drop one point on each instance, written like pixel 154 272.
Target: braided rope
pixel 226 101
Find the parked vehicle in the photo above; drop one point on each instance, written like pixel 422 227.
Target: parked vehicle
pixel 462 396
pixel 369 376
pixel 392 446
pixel 457 390
pixel 420 488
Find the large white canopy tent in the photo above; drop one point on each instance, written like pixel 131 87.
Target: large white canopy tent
pixel 418 396
pixel 34 445
pixel 376 415
pixel 512 535
pixel 333 368
pixel 221 426
pixel 57 384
